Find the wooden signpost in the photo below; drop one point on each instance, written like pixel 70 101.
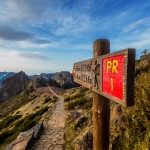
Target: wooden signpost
pixel 111 77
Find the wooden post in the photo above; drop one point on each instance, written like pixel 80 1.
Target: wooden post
pixel 101 105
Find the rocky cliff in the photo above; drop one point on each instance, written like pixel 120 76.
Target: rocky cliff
pixel 13 85
pixel 62 77
pixel 5 75
pixel 40 82
pixel 65 79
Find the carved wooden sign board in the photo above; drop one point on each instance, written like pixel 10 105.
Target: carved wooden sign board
pixel 111 75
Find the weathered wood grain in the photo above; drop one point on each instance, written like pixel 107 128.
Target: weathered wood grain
pixel 101 105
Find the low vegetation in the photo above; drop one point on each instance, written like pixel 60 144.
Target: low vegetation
pixel 81 123
pixel 78 94
pixel 8 120
pixel 134 131
pixel 70 135
pixel 81 103
pixel 13 104
pixel 72 97
pixel 77 100
pixel 130 127
pixel 33 97
pixel 24 110
pixel 51 99
pixel 9 134
pixel 37 107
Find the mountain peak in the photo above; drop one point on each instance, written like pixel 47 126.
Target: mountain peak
pixel 13 85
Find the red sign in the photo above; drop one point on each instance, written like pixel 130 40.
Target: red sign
pixel 112 76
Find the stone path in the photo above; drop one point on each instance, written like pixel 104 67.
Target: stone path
pixel 52 137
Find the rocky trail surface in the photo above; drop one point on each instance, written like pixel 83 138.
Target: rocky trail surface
pixel 52 137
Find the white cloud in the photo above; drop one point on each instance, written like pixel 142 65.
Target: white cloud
pixel 139 40
pixel 22 54
pixel 136 24
pixel 13 60
pixel 60 19
pixel 70 27
pixel 29 55
pixel 29 44
pixel 18 61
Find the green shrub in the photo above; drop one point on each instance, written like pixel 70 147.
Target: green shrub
pixel 71 106
pixel 37 107
pixel 30 120
pixel 53 100
pixel 18 123
pixel 74 96
pixel 83 89
pixel 47 99
pixel 79 102
pixel 70 135
pixel 24 124
pixel 54 97
pixel 17 112
pixel 8 135
pixel 41 111
pixel 88 104
pixel 67 99
pixel 33 97
pixel 81 123
pixel 8 120
pixel 50 99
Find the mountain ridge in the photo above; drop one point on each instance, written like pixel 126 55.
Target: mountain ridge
pixel 13 85
pixel 4 75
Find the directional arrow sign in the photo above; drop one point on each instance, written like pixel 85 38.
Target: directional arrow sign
pixel 111 75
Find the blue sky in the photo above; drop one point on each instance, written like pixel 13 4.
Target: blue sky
pixel 50 35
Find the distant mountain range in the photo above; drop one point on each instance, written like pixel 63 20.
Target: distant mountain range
pixel 12 83
pixel 4 75
pixel 43 75
pixel 64 78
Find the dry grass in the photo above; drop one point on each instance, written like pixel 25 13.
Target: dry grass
pixel 24 112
